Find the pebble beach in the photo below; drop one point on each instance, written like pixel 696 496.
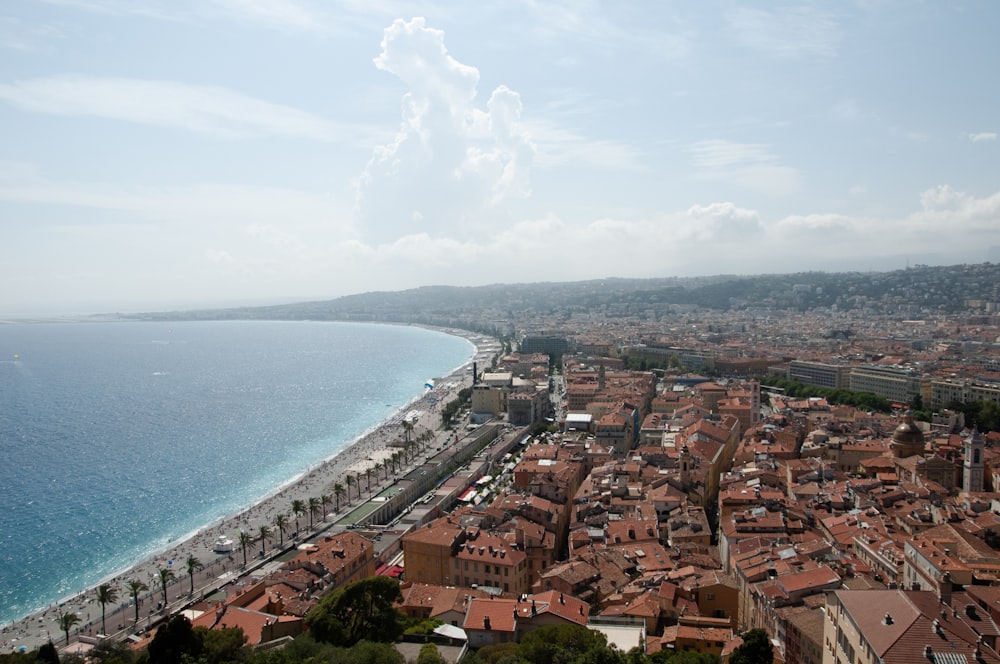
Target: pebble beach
pixel 376 446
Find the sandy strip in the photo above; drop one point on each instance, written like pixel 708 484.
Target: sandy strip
pixel 39 627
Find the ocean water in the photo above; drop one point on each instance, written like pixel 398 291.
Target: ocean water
pixel 119 438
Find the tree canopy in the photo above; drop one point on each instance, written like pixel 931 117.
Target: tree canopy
pixel 756 649
pixel 359 611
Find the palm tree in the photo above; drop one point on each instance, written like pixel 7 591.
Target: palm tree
pixel 379 465
pixel 245 541
pixel 134 588
pixel 407 430
pixel 280 523
pixel 298 508
pixel 368 479
pixel 166 576
pixel 313 507
pixel 193 565
pixel 324 502
pixel 66 622
pixel 106 594
pixel 350 481
pixel 338 492
pixel 263 534
pixel 395 460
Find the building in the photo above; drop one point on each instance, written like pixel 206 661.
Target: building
pixel 944 392
pixel 898 627
pixel 549 344
pixel 972 463
pixel 897 384
pixel 820 374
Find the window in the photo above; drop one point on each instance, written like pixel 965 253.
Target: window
pixel 466 565
pixel 506 571
pixel 710 596
pixel 506 588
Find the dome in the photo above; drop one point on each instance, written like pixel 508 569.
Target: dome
pixel 907 439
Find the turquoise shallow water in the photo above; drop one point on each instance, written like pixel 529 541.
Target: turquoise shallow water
pixel 117 438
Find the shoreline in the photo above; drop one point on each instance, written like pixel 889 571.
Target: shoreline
pixel 363 452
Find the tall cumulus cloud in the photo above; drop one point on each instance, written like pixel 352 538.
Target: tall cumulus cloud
pixel 452 164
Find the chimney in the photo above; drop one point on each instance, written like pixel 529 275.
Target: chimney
pixel 486 623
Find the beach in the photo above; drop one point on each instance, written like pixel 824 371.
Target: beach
pixel 375 446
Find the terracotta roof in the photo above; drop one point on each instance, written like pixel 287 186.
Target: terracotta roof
pixel 495 615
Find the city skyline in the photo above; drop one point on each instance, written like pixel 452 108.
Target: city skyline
pixel 180 154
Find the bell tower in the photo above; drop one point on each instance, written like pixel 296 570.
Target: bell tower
pixel 972 466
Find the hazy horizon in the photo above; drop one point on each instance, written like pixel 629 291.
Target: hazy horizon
pixel 176 155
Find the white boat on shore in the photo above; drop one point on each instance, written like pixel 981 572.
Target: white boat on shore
pixel 223 545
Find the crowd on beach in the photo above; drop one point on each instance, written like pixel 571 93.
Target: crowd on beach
pixel 375 447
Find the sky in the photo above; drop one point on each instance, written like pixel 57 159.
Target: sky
pixel 164 154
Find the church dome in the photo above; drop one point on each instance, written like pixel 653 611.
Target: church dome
pixel 907 439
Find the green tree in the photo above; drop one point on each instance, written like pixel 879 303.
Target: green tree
pixel 263 535
pixel 280 523
pixel 47 653
pixel 109 651
pixel 245 541
pixel 175 642
pixel 106 594
pixel 350 482
pixel 359 611
pixel 429 655
pixel 556 644
pixel 166 576
pixel 193 565
pixel 224 645
pixel 313 507
pixel 756 649
pixel 367 652
pixel 66 622
pixel 324 503
pixel 135 587
pixel 338 492
pixel 298 509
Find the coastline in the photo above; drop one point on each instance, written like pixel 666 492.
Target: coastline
pixel 372 446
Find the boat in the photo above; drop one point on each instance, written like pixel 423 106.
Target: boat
pixel 223 545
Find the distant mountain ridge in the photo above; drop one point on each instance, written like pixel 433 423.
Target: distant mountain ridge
pixel 919 290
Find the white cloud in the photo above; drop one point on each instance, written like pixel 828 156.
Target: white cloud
pixel 724 221
pixel 17 35
pixel 813 224
pixel 207 110
pixel 787 32
pixel 748 165
pixel 452 164
pixel 280 14
pixel 983 136
pixel 558 145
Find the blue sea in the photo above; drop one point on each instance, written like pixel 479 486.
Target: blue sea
pixel 118 438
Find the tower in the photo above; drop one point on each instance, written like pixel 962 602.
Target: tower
pixel 684 461
pixel 972 466
pixel 754 402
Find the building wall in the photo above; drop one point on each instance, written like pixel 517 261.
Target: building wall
pixel 819 374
